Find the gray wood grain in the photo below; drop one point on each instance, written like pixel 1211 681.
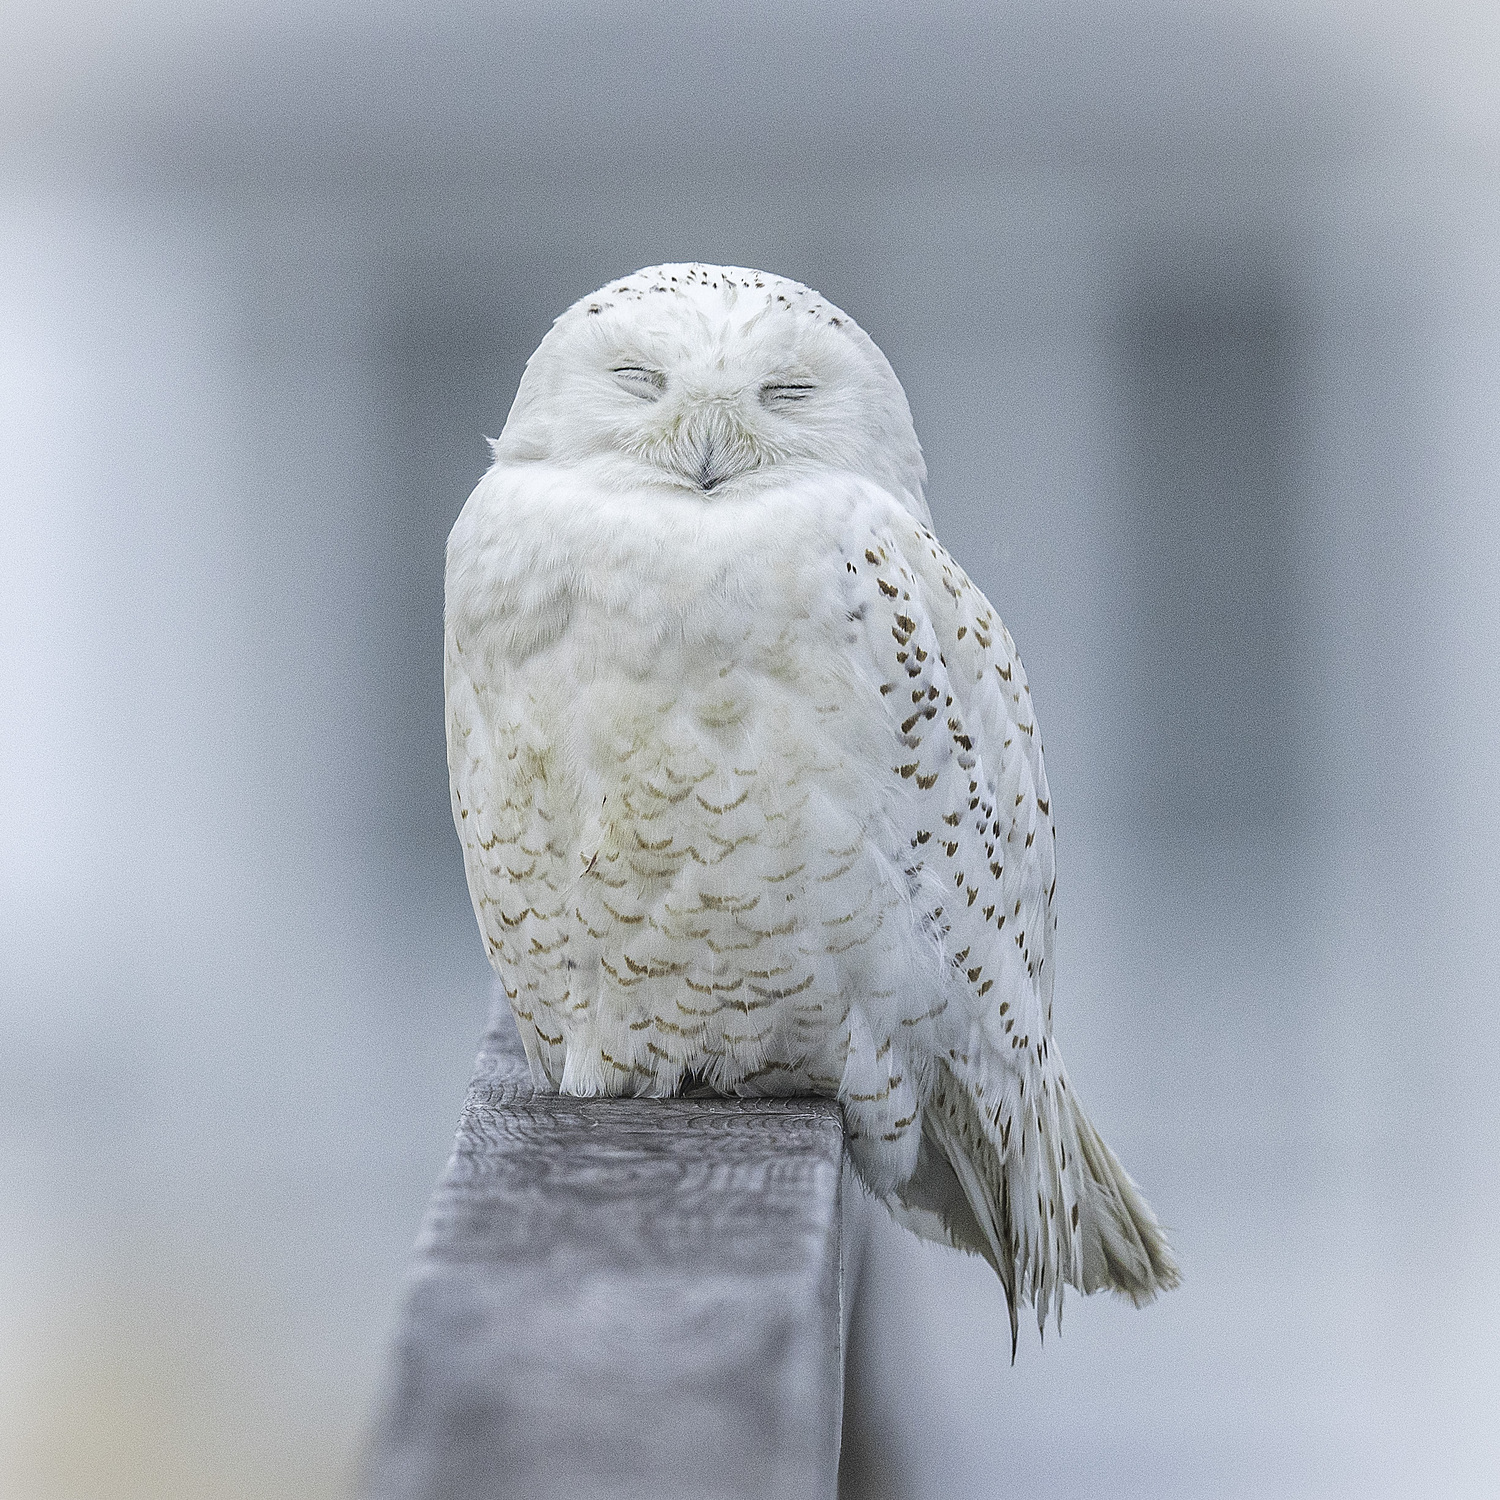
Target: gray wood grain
pixel 621 1297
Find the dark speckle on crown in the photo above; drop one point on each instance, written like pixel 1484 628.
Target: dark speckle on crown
pixel 696 280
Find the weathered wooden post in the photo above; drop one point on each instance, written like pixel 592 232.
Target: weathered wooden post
pixel 621 1297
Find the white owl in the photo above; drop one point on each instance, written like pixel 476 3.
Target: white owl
pixel 747 774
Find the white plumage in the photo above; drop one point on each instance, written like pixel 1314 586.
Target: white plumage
pixel 747 774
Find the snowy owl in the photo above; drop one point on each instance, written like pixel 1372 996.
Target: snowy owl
pixel 747 774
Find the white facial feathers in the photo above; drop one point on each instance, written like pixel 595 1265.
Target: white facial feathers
pixel 713 382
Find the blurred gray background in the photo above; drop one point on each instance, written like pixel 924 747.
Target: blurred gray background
pixel 1197 306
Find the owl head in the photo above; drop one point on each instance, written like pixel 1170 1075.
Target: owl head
pixel 712 382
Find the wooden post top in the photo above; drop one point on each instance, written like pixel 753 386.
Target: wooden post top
pixel 621 1297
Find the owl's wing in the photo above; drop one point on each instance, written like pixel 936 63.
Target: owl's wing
pixel 972 822
pixel 515 845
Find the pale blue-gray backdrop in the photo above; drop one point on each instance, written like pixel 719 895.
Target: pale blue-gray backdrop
pixel 1197 310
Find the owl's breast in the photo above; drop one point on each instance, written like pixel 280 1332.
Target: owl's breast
pixel 687 787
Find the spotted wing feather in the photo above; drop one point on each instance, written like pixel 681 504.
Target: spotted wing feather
pixel 1009 1166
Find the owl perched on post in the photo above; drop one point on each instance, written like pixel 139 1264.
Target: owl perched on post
pixel 747 773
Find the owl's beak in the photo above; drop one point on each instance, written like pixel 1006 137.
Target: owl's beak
pixel 711 471
pixel 718 448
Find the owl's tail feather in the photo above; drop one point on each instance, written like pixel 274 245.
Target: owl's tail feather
pixel 1124 1247
pixel 1036 1192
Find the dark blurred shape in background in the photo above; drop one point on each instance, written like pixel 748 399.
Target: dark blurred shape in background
pixel 1204 536
pixel 1197 308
